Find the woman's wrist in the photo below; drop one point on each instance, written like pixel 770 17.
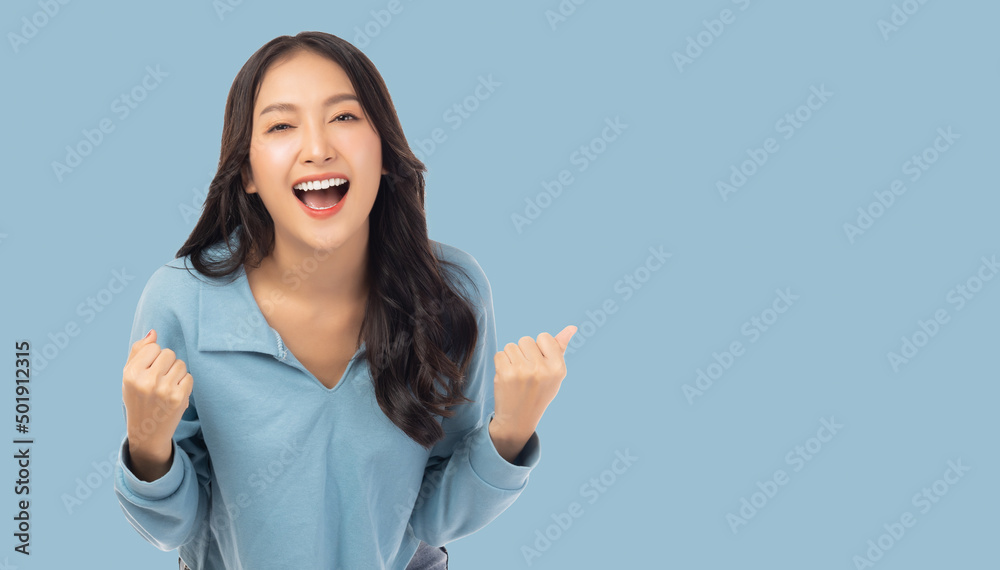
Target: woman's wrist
pixel 508 441
pixel 148 451
pixel 150 465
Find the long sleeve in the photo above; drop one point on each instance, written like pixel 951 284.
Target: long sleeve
pixel 466 482
pixel 167 511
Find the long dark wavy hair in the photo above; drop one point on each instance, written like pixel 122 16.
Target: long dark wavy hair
pixel 413 318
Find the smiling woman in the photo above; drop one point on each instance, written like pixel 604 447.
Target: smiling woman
pixel 310 118
pixel 312 362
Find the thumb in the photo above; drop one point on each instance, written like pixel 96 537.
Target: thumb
pixel 150 337
pixel 564 335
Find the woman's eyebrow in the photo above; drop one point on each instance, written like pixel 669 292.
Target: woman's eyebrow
pixel 331 100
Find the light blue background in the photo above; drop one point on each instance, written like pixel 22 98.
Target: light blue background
pixel 653 186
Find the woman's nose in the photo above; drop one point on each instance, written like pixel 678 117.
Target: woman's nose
pixel 316 144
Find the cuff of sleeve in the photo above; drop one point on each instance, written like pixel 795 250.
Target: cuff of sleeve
pixel 153 490
pixel 491 467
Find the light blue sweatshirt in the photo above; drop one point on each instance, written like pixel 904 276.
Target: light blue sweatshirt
pixel 271 469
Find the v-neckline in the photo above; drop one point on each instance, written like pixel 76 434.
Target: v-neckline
pixel 283 352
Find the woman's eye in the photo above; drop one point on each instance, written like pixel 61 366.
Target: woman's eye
pixel 276 129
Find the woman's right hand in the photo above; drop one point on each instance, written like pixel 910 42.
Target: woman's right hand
pixel 156 387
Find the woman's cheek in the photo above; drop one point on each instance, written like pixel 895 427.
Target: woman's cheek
pixel 279 151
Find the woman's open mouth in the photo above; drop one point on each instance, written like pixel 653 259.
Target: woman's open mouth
pixel 322 194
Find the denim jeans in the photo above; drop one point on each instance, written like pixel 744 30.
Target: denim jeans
pixel 427 557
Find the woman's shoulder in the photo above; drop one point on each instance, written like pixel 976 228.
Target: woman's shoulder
pixel 180 272
pixel 175 281
pixel 471 271
pixel 451 253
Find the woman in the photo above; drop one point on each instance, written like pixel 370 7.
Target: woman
pixel 316 388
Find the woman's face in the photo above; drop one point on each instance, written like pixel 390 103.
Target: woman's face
pixel 299 132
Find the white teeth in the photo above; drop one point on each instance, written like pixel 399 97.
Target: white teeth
pixel 320 184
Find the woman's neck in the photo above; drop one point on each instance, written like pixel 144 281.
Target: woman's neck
pixel 318 278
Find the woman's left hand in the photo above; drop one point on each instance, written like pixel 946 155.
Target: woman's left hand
pixel 528 375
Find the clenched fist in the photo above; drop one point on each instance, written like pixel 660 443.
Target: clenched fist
pixel 528 375
pixel 155 388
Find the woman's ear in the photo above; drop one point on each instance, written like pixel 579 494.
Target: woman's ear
pixel 248 186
